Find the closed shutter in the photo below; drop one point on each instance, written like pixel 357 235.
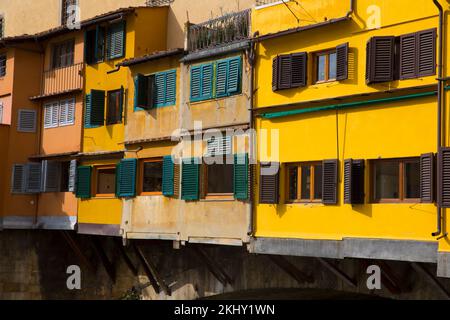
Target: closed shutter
pixel 342 62
pixel 26 121
pixel 83 185
pixel 427 178
pixel 51 115
pixel 126 178
pixel 33 177
pixel 160 90
pixel 18 179
pixel 87 111
pixel 269 185
pixel 299 62
pixel 241 176
pixel 97 108
pixel 285 75
pixel 354 181
pixel 51 176
pixel 221 78
pixel 168 186
pixel 190 177
pixel 408 56
pixel 116 40
pixel 73 175
pixel 171 88
pixel 207 81
pixel 426 43
pixel 196 76
pixel 380 59
pixel 275 73
pixel 330 181
pixel 63 108
pixel 444 177
pixel 234 75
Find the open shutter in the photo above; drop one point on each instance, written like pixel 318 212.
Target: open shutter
pixel 269 185
pixel 234 75
pixel 275 75
pixel 207 81
pixel 330 181
pixel 83 179
pixel 241 176
pixel 168 185
pixel 444 177
pixel 299 62
pixel 190 177
pixel 33 177
pixel 70 112
pixel 354 181
pixel 196 76
pixel 285 73
pixel 116 40
pixel 221 78
pixel 126 178
pixel 380 60
pixel 97 108
pixel 171 88
pixel 426 47
pixel 18 179
pixel 408 56
pixel 427 178
pixel 99 44
pixel 342 62
pixel 51 176
pixel 87 111
pixel 73 175
pixel 160 90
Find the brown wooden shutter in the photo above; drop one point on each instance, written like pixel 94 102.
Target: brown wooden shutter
pixel 299 62
pixel 408 56
pixel 342 62
pixel 330 181
pixel 380 59
pixel 427 178
pixel 275 74
pixel 444 177
pixel 177 181
pixel 426 55
pixel 269 190
pixel 285 72
pixel 368 61
pixel 354 181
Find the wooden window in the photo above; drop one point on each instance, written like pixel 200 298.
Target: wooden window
pixel 417 54
pixel 396 180
pixel 95 109
pixel 115 106
pixel 2 65
pixel 305 182
pixel 219 180
pixel 269 183
pixel 65 10
pixel 105 181
pixel 325 66
pixel 380 64
pixel 63 54
pixel 59 113
pixel 151 177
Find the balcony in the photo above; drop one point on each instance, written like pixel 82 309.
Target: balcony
pixel 61 80
pixel 225 30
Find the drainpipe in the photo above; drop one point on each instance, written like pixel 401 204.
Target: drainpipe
pixel 352 8
pixel 439 119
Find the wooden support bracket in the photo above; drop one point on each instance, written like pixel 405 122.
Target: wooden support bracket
pixel 421 269
pixel 388 280
pixel 126 258
pixel 213 266
pixel 291 269
pixel 338 272
pixel 108 265
pixel 72 242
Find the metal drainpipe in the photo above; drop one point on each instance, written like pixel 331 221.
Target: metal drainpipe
pixel 439 120
pixel 352 8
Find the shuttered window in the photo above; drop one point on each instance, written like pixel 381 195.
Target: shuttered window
pixel 95 109
pixel 101 42
pixel 63 54
pixel 418 54
pixel 67 112
pixel 83 179
pixel 444 177
pixel 241 173
pixel 427 178
pixel 26 121
pixel 51 112
pixel 330 181
pixel 156 90
pixel 354 181
pixel 126 178
pixel 18 179
pixel 26 178
pixel 168 184
pixel 228 77
pixel 2 65
pixel 33 177
pixel 269 183
pixel 289 71
pixel 116 41
pixel 202 82
pixel 380 59
pixel 72 176
pixel 190 177
pixel 219 145
pixel 51 176
pixel 342 62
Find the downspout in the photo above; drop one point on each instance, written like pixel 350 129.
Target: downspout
pixel 352 8
pixel 439 112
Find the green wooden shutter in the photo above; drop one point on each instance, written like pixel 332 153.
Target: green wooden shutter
pixel 241 176
pixel 171 88
pixel 168 187
pixel 207 81
pixel 234 76
pixel 88 111
pixel 118 179
pixel 83 186
pixel 160 87
pixel 190 180
pixel 97 108
pixel 222 78
pixel 116 40
pixel 196 75
pixel 126 178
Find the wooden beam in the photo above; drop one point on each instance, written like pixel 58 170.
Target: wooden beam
pixel 421 269
pixel 291 269
pixel 338 272
pixel 387 280
pixel 213 266
pixel 126 258
pixel 109 267
pixel 71 241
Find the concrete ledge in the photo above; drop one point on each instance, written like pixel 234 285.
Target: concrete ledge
pixel 399 250
pixel 216 51
pixel 443 265
pixel 56 223
pixel 99 229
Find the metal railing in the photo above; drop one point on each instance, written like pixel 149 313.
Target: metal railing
pixel 62 79
pixel 264 2
pixel 226 29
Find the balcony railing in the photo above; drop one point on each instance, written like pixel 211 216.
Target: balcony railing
pixel 61 80
pixel 266 2
pixel 224 30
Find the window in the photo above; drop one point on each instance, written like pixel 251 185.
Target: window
pixel 396 180
pixel 115 105
pixel 305 182
pixel 105 43
pixel 63 54
pixel 26 121
pixel 289 71
pixel 2 65
pixel 65 176
pixel 219 179
pixel 94 109
pixel 326 66
pixel 2 26
pixel 26 178
pixel 151 177
pixel 156 90
pixel 59 113
pixel 66 10
pixel 105 181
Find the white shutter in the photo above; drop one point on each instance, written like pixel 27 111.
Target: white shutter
pixel 55 114
pixel 72 175
pixel 33 174
pixel 18 179
pixel 48 112
pixel 219 146
pixel 51 176
pixel 26 121
pixel 62 113
pixel 70 112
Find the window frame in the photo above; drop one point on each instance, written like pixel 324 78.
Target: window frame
pixel 312 165
pixel 119 106
pixel 142 162
pixel 401 183
pixel 69 43
pixel 94 186
pixel 327 53
pixel 204 172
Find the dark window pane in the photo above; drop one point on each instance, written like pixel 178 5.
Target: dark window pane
pixel 65 176
pixel 318 182
pixel 114 110
pixel 412 180
pixel 321 68
pixel 332 66
pixel 387 180
pixel 220 178
pixel 62 55
pixel 306 183
pixel 152 181
pixel 106 181
pixel 293 183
